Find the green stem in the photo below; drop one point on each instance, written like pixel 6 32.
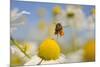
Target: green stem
pixel 40 62
pixel 16 44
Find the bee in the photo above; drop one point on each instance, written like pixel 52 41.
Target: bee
pixel 59 30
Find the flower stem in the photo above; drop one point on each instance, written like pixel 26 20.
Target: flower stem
pixel 16 44
pixel 40 62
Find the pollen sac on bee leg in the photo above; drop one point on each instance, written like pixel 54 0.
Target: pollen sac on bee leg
pixel 61 33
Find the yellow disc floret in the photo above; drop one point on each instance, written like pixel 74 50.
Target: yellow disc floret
pixel 93 11
pixel 42 25
pixel 89 51
pixel 15 60
pixel 49 50
pixel 56 10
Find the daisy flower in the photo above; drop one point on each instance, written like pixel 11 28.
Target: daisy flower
pixel 91 24
pixel 56 10
pixel 42 25
pixel 18 57
pixel 89 50
pixel 91 20
pixel 49 52
pixel 75 17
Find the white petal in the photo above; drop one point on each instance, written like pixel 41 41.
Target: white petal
pixel 78 21
pixel 74 57
pixel 71 57
pixel 35 60
pixel 16 51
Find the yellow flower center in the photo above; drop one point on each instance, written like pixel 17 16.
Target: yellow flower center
pixel 56 10
pixel 42 25
pixel 89 51
pixel 49 50
pixel 15 60
pixel 93 11
pixel 70 15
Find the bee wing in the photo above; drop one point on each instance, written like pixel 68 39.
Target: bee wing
pixel 51 29
pixel 66 26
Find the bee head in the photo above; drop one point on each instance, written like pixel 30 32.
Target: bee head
pixel 58 26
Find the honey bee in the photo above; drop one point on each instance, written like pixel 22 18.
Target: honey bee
pixel 59 30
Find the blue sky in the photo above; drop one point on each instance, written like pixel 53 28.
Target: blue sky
pixel 33 6
pixel 33 18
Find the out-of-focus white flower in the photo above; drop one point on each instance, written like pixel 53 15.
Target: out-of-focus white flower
pixel 91 25
pixel 41 12
pixel 42 25
pixel 70 57
pixel 35 60
pixel 76 56
pixel 16 54
pixel 17 18
pixel 75 17
pixel 91 22
pixel 60 18
pixel 30 48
